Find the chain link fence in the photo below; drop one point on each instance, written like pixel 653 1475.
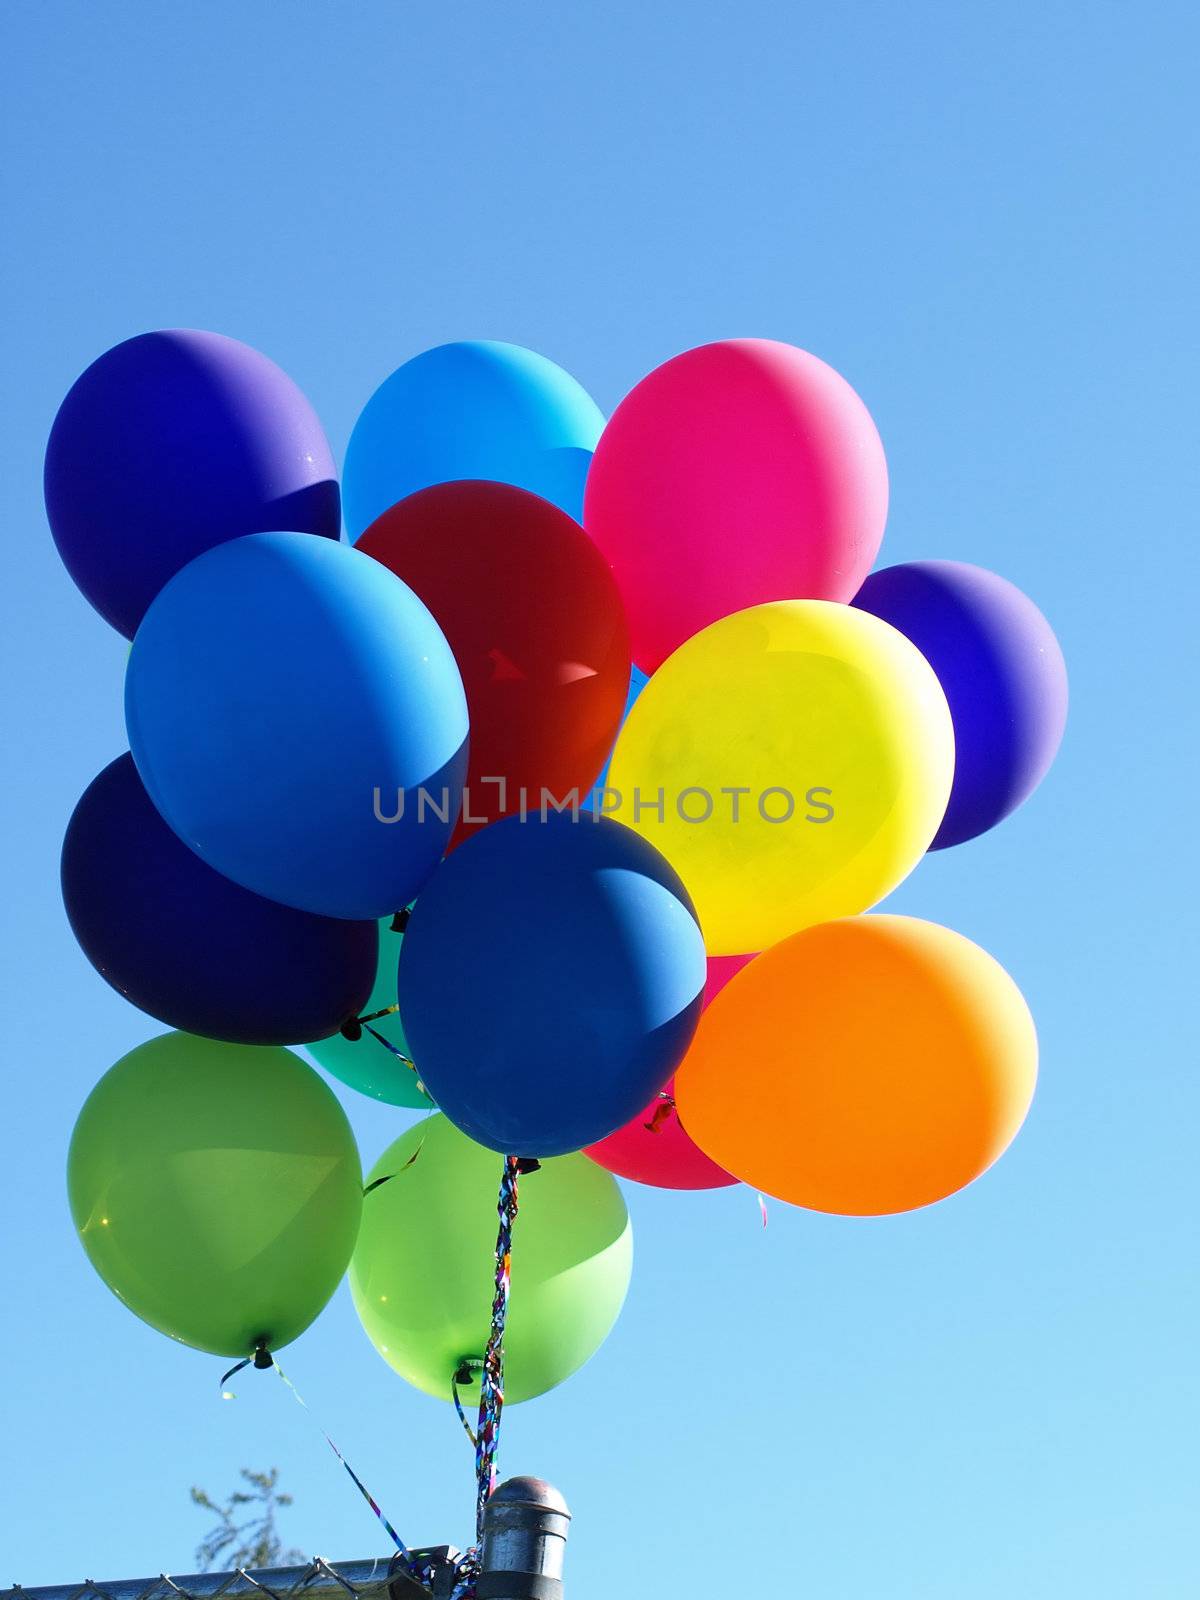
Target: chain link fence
pixel 525 1531
pixel 379 1579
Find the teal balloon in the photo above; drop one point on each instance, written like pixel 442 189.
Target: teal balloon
pixel 475 409
pixel 364 1063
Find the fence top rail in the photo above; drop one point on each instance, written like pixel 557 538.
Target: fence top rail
pixel 319 1580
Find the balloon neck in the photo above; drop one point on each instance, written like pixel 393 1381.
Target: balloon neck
pixel 262 1356
pixel 467 1369
pixel 526 1164
pixel 400 920
pixel 352 1028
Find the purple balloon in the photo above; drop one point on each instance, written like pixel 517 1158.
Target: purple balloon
pixel 1003 674
pixel 169 444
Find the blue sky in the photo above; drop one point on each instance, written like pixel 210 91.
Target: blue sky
pixel 984 215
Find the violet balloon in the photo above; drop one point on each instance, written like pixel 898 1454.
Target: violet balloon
pixel 1003 674
pixel 171 443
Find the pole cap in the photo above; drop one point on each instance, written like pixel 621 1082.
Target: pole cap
pixel 530 1492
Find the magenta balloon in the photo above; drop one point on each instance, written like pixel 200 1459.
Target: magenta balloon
pixel 654 1147
pixel 736 473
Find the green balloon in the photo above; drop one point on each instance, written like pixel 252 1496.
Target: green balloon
pixel 217 1190
pixel 365 1064
pixel 423 1270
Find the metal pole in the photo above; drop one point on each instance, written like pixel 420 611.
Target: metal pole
pixel 524 1539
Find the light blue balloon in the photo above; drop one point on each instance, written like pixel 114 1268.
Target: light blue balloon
pixel 476 409
pixel 283 692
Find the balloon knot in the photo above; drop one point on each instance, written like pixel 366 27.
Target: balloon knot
pixel 263 1358
pixel 351 1029
pixel 660 1114
pixel 527 1164
pixel 400 920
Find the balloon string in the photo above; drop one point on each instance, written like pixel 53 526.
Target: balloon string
pixel 399 1054
pixel 374 1016
pixel 491 1398
pixel 388 1176
pixel 465 1374
pixel 263 1358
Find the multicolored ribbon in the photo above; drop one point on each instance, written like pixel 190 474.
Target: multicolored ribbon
pixel 491 1397
pixel 262 1358
pixel 466 1373
pixel 399 1054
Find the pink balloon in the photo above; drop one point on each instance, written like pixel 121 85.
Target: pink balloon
pixel 654 1148
pixel 735 473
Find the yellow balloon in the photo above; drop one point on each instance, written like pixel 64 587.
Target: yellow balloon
pixel 792 762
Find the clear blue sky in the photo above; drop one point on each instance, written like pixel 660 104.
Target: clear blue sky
pixel 984 215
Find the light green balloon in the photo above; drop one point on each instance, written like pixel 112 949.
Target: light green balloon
pixel 365 1064
pixel 423 1270
pixel 217 1190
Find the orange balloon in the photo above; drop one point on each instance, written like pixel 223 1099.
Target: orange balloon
pixel 861 1067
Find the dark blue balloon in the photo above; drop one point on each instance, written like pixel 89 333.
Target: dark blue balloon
pixel 1003 674
pixel 168 444
pixel 550 981
pixel 192 948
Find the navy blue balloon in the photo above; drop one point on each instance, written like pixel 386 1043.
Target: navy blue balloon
pixel 193 949
pixel 1003 674
pixel 298 719
pixel 169 444
pixel 550 981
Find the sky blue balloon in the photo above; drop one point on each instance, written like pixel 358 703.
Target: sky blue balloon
pixel 476 409
pixel 550 981
pixel 286 695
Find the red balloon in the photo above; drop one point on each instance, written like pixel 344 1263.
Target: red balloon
pixel 537 626
pixel 654 1148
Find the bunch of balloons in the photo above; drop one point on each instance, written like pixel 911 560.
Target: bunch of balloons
pixel 407 801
